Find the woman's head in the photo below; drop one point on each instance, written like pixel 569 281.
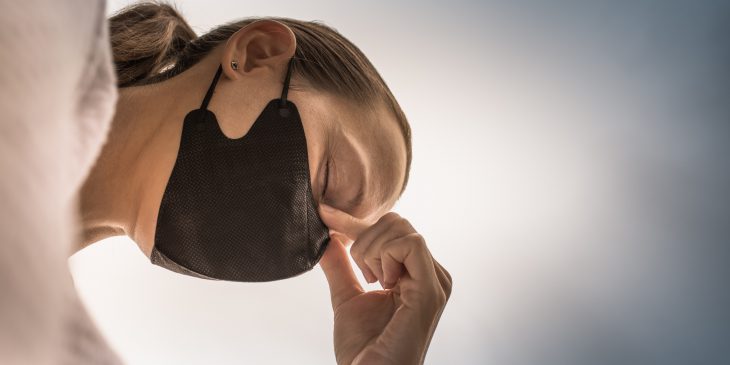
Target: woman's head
pixel 351 119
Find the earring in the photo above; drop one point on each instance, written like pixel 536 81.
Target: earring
pixel 234 65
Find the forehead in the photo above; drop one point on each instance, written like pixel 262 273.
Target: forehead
pixel 378 142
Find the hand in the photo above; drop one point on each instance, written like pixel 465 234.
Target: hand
pixel 393 325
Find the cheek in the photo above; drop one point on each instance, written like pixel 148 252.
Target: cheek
pixel 315 152
pixel 318 115
pixel 315 135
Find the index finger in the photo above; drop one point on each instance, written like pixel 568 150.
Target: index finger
pixel 340 221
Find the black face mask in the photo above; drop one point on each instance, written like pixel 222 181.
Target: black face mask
pixel 240 209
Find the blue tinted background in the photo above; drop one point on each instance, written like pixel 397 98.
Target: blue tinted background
pixel 570 170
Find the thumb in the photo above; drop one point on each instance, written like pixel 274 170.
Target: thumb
pixel 341 279
pixel 342 222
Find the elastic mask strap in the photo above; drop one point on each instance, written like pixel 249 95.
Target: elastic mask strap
pixel 209 94
pixel 283 109
pixel 284 91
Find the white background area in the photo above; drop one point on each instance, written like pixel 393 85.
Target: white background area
pixel 570 170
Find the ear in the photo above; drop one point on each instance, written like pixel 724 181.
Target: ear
pixel 262 46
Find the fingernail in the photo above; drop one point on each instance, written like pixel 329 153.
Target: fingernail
pixel 327 208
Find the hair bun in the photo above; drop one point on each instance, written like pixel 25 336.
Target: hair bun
pixel 147 39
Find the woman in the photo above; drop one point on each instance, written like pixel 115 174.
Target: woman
pixel 194 120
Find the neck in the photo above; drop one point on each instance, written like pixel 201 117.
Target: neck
pixel 109 198
pixel 123 192
pixel 135 161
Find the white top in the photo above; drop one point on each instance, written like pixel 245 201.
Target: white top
pixel 57 98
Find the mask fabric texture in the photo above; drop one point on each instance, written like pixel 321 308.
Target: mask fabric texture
pixel 241 209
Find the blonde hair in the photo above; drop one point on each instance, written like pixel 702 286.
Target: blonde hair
pixel 151 42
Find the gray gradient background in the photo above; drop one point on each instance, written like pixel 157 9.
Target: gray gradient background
pixel 570 170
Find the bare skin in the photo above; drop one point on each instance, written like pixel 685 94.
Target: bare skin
pixel 365 150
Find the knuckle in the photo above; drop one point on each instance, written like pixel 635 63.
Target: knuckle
pixel 357 248
pixel 393 215
pixel 441 299
pixel 405 226
pixel 356 254
pixel 447 288
pixel 446 273
pixel 364 269
pixel 389 217
pixel 417 240
pixel 373 262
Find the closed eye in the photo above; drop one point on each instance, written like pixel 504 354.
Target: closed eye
pixel 326 177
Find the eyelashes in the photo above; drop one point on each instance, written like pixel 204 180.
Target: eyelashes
pixel 331 145
pixel 326 177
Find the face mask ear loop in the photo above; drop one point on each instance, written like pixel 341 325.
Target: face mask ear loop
pixel 209 93
pixel 283 109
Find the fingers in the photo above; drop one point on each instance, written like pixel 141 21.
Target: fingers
pixel 354 228
pixel 444 278
pixel 422 297
pixel 342 222
pixel 392 270
pixel 392 252
pixel 380 250
pixel 368 247
pixel 342 281
pixel 411 252
pixel 371 268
